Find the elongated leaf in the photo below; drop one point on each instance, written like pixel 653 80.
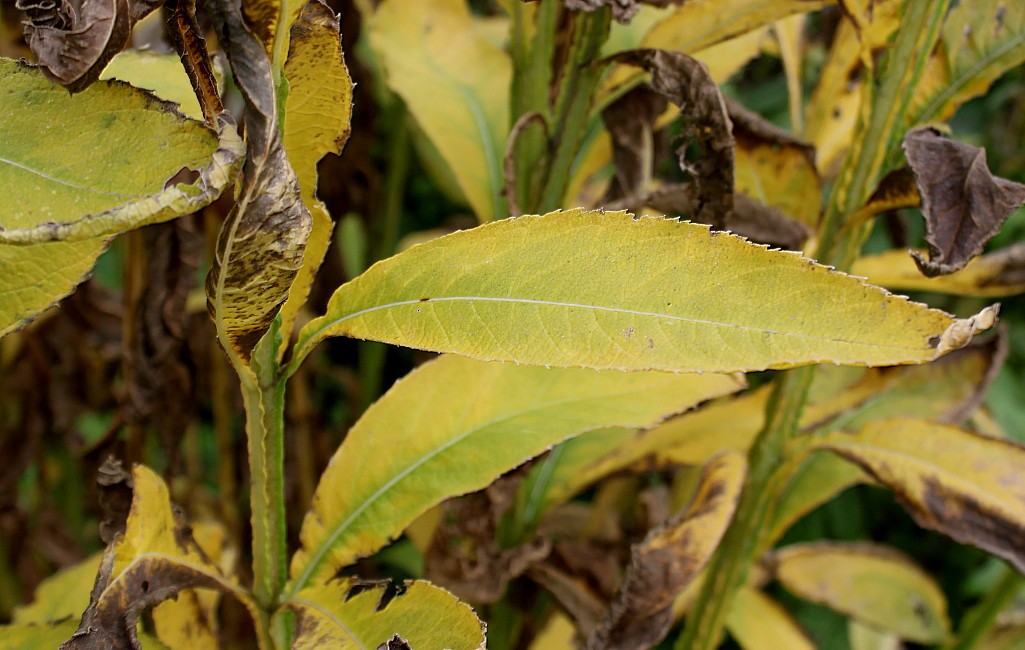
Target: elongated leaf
pixel 758 622
pixel 317 115
pixel 981 41
pixel 871 583
pixel 669 559
pixel 336 615
pixel 606 290
pixel 456 88
pixel 121 149
pixel 154 559
pixel 962 484
pixel 260 246
pixel 994 275
pixel 451 427
pixel 702 23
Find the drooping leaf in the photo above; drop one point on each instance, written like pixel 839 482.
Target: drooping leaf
pixel 160 73
pixel 871 583
pixel 62 595
pixel 669 559
pixel 261 244
pixel 154 559
pixel 74 41
pixel 122 149
pixel 344 614
pixel 993 275
pixel 317 115
pixel 630 122
pixel 895 191
pixel 451 427
pixel 951 480
pixel 661 294
pixel 964 204
pixel 457 89
pixel 981 41
pixel 758 622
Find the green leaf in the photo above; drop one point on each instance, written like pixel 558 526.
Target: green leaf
pixel 871 583
pixel 336 615
pixel 451 427
pixel 457 89
pixel 317 115
pixel 62 595
pixel 758 622
pixel 959 483
pixel 120 147
pixel 608 290
pixel 981 40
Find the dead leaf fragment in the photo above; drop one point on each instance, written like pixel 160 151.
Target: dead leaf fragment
pixel 669 559
pixel 964 204
pixel 622 10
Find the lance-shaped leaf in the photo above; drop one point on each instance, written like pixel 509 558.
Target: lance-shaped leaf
pixel 317 114
pixel 757 622
pixel 607 290
pixel 451 427
pixel 993 275
pixel 669 559
pixel 260 246
pixel 964 204
pixel 346 615
pixel 959 483
pixel 153 560
pixel 457 89
pixel 871 583
pixel 981 41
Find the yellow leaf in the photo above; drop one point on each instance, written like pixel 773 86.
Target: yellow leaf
pixel 866 637
pixel 956 482
pixel 608 290
pixel 993 275
pixel 318 111
pixel 871 583
pixel 423 615
pixel 456 86
pixel 558 633
pixel 162 74
pixel 62 595
pixel 670 558
pixel 758 622
pixel 451 427
pixel 789 34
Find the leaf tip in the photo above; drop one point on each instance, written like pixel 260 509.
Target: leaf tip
pixel 961 331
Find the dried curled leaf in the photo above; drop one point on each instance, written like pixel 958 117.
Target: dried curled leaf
pixel 622 10
pixel 964 204
pixel 261 246
pixel 75 39
pixel 670 558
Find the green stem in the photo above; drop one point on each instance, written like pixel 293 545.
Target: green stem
pixel 980 619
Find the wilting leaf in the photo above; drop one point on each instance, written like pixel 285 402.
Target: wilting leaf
pixel 685 82
pixel 120 149
pixel 62 595
pixel 775 168
pixel 956 482
pixel 162 74
pixel 630 121
pixel 981 41
pixel 260 246
pixel 74 40
pixel 895 191
pixel 962 202
pixel 662 294
pixel 666 562
pixel 345 614
pixel 317 115
pixel 452 426
pixel 871 583
pixel 457 89
pixel 758 622
pixel 699 24
pixel 153 560
pixel 994 275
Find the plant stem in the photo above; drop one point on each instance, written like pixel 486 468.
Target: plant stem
pixel 978 621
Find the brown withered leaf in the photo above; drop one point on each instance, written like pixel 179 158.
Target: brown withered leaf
pixel 630 121
pixel 261 245
pixel 622 10
pixel 964 204
pixel 395 643
pixel 75 39
pixel 115 484
pixel 670 558
pixel 685 82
